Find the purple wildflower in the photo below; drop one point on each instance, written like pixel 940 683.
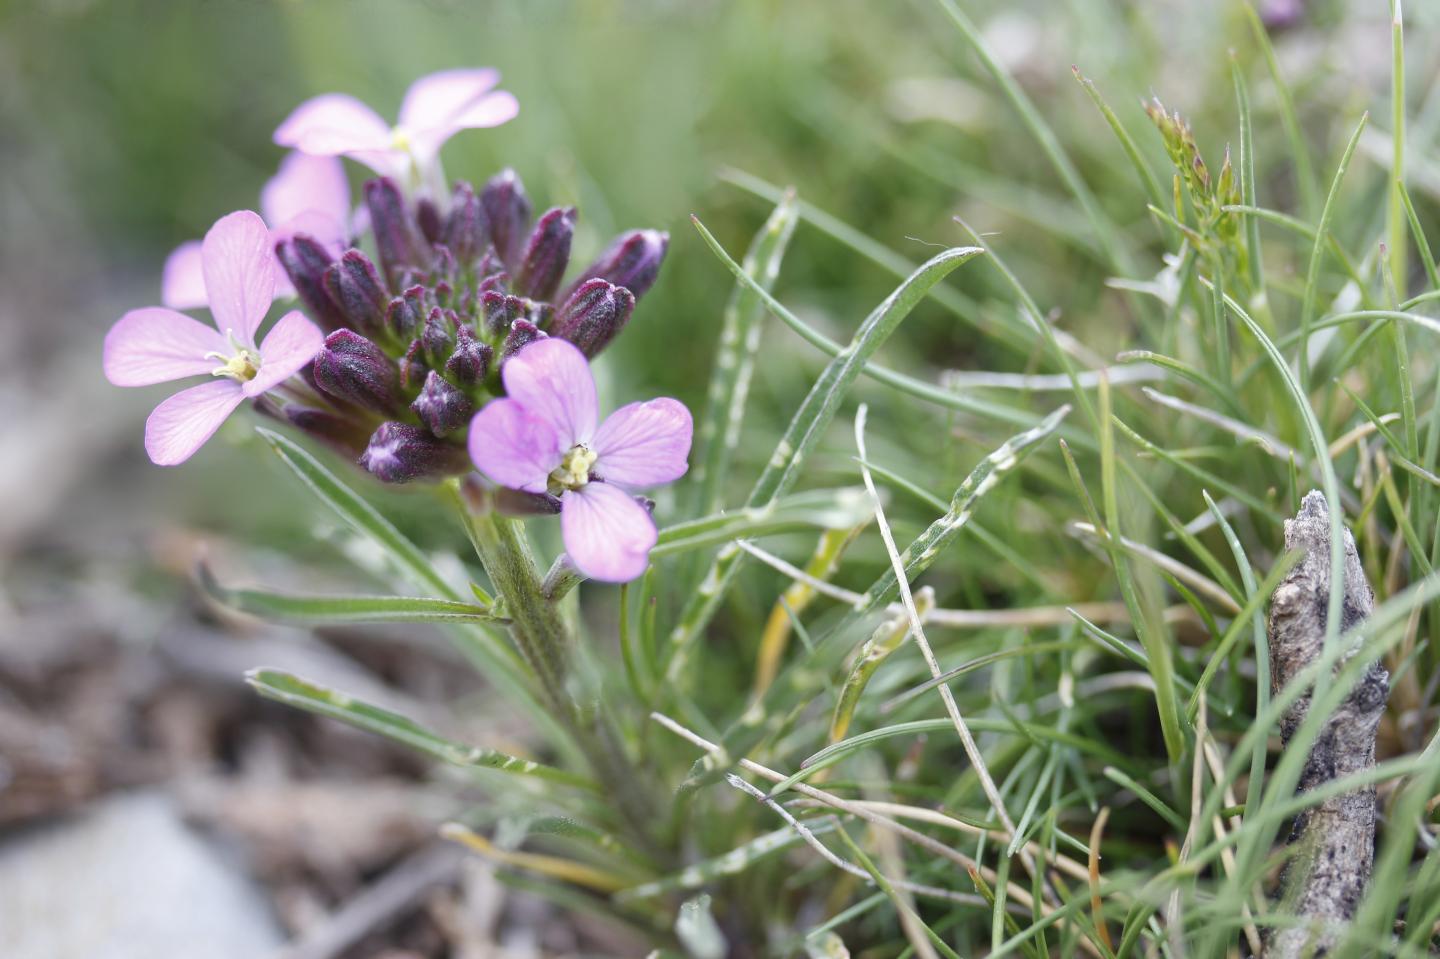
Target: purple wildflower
pixel 435 108
pixel 309 194
pixel 156 345
pixel 543 438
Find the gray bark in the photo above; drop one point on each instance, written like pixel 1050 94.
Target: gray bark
pixel 1335 840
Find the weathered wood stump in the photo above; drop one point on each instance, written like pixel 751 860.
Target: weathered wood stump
pixel 1335 840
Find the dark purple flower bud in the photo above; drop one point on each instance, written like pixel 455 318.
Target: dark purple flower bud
pixel 413 366
pixel 547 254
pixel 507 211
pixel 465 232
pixel 438 337
pixel 470 362
pixel 494 283
pixel 498 311
pixel 593 315
pixel 355 287
pixel 441 406
pixel 489 263
pixel 632 260
pixel 427 216
pixel 305 260
pixel 344 433
pixel 442 292
pixel 399 453
pixel 395 237
pixel 521 333
pixel 406 313
pixel 352 368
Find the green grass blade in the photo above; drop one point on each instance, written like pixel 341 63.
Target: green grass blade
pixel 735 359
pixel 1152 634
pixel 1110 242
pixel 1322 232
pixel 1247 179
pixel 804 432
pixel 823 509
pixel 1289 118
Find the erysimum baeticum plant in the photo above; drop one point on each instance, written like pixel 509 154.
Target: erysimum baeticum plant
pixel 1061 742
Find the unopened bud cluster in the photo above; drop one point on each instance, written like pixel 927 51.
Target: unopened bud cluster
pixel 418 331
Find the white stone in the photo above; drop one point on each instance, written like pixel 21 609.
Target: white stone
pixel 128 880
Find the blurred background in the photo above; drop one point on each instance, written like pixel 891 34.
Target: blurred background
pixel 132 757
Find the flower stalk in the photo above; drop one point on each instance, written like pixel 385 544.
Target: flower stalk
pixel 536 625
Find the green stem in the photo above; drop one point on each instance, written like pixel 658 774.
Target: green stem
pixel 536 624
pixel 543 639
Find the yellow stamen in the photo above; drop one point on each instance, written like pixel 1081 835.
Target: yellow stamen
pixel 574 470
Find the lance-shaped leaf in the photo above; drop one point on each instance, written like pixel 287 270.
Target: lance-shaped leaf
pixel 294 691
pixel 342 610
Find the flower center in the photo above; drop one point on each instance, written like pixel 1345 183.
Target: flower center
pixel 400 139
pixel 574 470
pixel 240 365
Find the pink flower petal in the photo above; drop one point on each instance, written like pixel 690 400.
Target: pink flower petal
pixel 313 187
pixel 607 534
pixel 239 267
pixel 513 446
pixel 182 285
pixel 433 102
pixel 644 444
pixel 552 380
pixel 291 343
pixel 333 124
pixel 181 425
pixel 155 345
pixel 489 111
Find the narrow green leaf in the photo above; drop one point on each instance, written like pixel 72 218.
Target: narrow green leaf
pixel 1289 118
pixel 359 515
pixel 1111 244
pixel 294 608
pixel 294 691
pixel 813 509
pixel 1322 231
pixel 719 428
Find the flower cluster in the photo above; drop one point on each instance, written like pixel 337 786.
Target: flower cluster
pixel 424 309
